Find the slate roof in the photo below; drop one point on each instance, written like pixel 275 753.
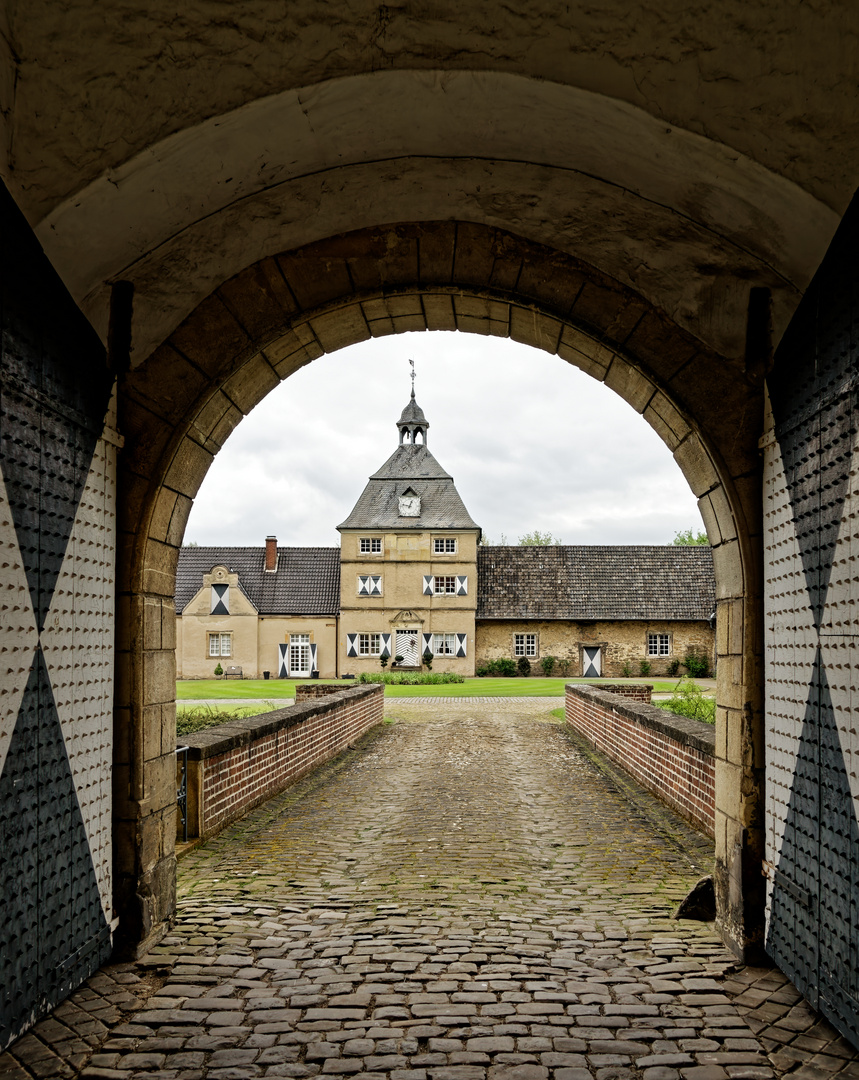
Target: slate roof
pixel 596 582
pixel 415 467
pixel 307 580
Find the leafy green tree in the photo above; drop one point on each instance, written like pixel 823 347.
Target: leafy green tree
pixel 486 542
pixel 538 539
pixel 687 537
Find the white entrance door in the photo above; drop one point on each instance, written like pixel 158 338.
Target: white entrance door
pixel 299 656
pixel 591 662
pixel 407 646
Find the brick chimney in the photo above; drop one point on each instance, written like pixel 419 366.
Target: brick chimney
pixel 270 554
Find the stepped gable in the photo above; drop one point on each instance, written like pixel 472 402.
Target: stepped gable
pixel 578 582
pixel 410 466
pixel 306 582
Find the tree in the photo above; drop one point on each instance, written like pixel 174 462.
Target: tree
pixel 486 542
pixel 686 537
pixel 538 539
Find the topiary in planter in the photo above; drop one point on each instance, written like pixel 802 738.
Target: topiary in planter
pixel 523 666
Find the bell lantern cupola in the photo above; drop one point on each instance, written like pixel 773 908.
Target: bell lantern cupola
pixel 413 425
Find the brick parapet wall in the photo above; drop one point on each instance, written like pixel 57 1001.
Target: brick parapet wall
pixel 633 691
pixel 234 767
pixel 309 691
pixel 669 755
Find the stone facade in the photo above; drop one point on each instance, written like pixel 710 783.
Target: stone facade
pixel 621 643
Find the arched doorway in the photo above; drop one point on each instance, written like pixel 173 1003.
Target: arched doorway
pixel 178 406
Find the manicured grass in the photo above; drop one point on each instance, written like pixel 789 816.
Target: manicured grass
pixel 283 689
pixel 191 718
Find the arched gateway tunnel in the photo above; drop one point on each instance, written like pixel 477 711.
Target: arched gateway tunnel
pixel 198 204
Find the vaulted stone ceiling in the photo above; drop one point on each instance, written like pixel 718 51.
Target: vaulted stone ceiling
pixel 688 151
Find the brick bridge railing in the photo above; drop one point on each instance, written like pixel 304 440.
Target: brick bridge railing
pixel 234 767
pixel 669 755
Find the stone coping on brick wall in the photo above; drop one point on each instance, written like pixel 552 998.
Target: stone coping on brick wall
pixel 694 733
pixel 222 738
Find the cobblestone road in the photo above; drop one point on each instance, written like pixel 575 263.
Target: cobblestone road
pixel 464 896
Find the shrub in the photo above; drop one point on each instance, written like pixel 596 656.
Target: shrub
pixel 503 667
pixel 219 670
pixel 548 665
pixel 383 660
pixel 428 660
pixel 687 700
pixel 482 672
pixel 697 665
pixel 644 667
pixel 672 667
pixel 410 678
pixel 564 665
pixel 626 670
pixel 191 718
pixel 523 666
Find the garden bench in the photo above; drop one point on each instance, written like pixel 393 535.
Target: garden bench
pixel 233 672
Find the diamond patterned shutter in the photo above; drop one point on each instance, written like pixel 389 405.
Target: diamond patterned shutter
pixel 220 600
pixel 351 644
pixel 426 643
pixel 429 584
pixel 460 644
pixel 461 585
pixel 385 645
pixel 363 585
pixel 376 585
pixel 282 664
pixel 313 655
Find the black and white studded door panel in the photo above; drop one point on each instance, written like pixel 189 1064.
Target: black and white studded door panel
pixel 811 508
pixel 57 541
pixel 591 662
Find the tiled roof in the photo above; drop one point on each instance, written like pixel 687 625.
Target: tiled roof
pixel 415 467
pixel 595 582
pixel 307 580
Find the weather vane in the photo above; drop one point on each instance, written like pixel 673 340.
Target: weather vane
pixel 413 376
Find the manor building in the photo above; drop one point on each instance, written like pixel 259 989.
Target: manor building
pixel 411 580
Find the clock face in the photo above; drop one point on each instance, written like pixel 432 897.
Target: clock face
pixel 410 506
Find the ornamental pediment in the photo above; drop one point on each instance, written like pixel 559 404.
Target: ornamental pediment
pixel 407 617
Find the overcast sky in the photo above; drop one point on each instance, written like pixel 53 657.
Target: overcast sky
pixel 531 443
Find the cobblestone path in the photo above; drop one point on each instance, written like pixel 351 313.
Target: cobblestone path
pixel 464 896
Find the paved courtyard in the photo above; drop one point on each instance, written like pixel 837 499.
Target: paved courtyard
pixel 466 895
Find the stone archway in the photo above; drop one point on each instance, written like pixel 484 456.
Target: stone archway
pixel 178 407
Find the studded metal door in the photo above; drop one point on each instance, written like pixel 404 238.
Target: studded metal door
pixel 811 507
pixel 57 495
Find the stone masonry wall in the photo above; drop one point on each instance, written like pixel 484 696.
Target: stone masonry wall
pixel 236 766
pixel 671 756
pixel 622 643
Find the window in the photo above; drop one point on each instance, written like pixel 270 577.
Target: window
pixel 220 644
pixel 444 644
pixel 450 585
pixel 658 644
pixel 444 545
pixel 369 644
pixel 445 586
pixel 369 584
pixel 524 644
pixel 371 545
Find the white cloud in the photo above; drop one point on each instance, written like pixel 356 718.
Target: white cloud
pixel 532 443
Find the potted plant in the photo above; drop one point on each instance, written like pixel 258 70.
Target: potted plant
pixel 428 660
pixel 219 671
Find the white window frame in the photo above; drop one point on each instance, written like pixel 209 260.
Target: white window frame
pixel 444 644
pixel 370 545
pixel 222 639
pixel 444 585
pixel 658 644
pixel 369 644
pixel 444 545
pixel 524 644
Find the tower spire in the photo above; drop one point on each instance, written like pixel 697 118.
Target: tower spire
pixel 413 425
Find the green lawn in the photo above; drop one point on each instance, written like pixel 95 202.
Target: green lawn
pixel 282 689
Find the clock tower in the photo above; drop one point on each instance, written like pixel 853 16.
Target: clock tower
pixel 408 564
